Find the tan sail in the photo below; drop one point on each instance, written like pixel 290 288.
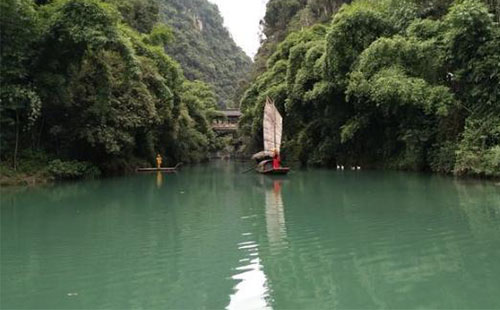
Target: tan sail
pixel 273 127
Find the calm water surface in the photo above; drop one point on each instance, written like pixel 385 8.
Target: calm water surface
pixel 213 238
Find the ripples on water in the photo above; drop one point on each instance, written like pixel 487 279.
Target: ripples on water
pixel 211 237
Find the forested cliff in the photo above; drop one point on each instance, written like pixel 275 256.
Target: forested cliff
pixel 86 86
pixel 204 47
pixel 405 84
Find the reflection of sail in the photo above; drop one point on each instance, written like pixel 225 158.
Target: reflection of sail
pixel 272 126
pixel 275 216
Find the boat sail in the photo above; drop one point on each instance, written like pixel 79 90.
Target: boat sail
pixel 273 130
pixel 273 127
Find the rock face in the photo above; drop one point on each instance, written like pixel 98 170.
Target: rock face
pixel 204 47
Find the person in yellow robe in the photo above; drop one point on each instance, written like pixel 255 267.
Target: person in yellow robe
pixel 158 161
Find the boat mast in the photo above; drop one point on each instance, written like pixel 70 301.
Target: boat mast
pixel 274 127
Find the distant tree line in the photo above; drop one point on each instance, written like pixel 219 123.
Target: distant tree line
pixel 405 84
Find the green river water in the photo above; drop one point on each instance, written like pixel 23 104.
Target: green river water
pixel 211 237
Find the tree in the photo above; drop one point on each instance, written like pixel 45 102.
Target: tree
pixel 19 100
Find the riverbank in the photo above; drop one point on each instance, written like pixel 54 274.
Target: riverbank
pixel 32 173
pixel 39 168
pixel 11 177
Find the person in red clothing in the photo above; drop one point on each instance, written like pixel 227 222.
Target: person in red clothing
pixel 276 160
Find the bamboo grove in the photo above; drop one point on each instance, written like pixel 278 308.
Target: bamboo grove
pixel 390 83
pixel 86 87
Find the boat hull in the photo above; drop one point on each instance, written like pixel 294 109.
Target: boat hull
pixel 266 167
pixel 275 171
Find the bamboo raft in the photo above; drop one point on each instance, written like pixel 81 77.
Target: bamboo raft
pixel 166 169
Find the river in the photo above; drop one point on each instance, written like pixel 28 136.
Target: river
pixel 211 237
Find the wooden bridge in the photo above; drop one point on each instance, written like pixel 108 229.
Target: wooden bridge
pixel 228 123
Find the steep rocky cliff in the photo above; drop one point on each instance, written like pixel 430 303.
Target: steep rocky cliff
pixel 204 47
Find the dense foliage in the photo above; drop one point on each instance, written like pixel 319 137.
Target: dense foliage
pixel 204 47
pixel 89 80
pixel 286 16
pixel 403 84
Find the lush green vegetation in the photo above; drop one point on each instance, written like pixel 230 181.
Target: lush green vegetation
pixel 286 16
pixel 408 84
pixel 204 47
pixel 86 86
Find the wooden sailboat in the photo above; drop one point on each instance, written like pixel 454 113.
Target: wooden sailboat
pixel 270 162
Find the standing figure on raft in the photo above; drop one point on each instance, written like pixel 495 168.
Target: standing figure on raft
pixel 159 160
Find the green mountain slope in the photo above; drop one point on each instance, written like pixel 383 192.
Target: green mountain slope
pixel 204 47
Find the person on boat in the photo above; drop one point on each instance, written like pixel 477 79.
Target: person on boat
pixel 158 161
pixel 276 160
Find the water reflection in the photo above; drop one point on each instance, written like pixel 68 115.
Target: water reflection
pixel 348 240
pixel 480 203
pixel 159 179
pixel 251 291
pixel 376 240
pixel 275 216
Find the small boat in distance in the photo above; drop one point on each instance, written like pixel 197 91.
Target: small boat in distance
pixel 269 161
pixel 166 169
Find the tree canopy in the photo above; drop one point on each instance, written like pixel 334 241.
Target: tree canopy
pixel 402 84
pixel 89 80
